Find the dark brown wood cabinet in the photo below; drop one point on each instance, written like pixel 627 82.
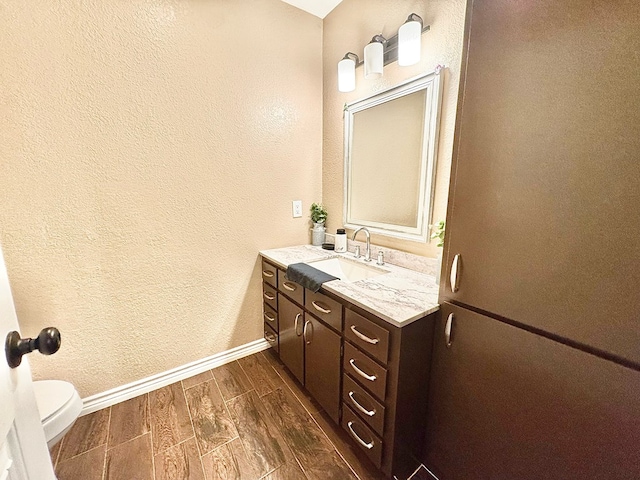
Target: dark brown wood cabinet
pixel 385 376
pixel 508 404
pixel 291 320
pixel 544 200
pixel 322 365
pixel 269 274
pixel 371 377
pixel 542 378
pixel 309 348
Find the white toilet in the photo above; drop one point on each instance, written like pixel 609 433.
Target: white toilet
pixel 59 404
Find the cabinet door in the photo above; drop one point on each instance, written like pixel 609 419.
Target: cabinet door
pixel 291 323
pixel 508 404
pixel 322 365
pixel 545 195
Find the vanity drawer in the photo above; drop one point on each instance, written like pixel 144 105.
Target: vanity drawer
pixel 269 295
pixel 362 435
pixel 326 309
pixel 269 274
pixel 271 337
pixel 368 336
pixel 367 407
pixel 291 289
pixel 365 370
pixel 270 317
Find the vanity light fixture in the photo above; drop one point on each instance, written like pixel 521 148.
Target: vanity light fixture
pixel 374 57
pixel 409 41
pixel 403 47
pixel 347 72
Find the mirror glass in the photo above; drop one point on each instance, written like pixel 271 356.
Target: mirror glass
pixel 390 151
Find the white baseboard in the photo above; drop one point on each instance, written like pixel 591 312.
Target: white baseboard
pixel 139 387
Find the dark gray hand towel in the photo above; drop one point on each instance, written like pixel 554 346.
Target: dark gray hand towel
pixel 307 276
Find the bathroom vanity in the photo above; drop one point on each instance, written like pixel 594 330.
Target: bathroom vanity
pixel 362 349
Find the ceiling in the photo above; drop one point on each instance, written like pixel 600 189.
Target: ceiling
pixel 319 8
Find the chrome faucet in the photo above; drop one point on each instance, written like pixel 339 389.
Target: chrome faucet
pixel 367 255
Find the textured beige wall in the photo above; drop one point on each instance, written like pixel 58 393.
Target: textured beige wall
pixel 148 150
pixel 349 28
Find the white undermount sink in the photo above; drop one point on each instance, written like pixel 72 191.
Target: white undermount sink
pixel 347 270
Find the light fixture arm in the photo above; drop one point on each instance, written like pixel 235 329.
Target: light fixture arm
pixel 352 56
pixel 414 17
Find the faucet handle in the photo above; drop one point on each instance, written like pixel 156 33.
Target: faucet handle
pixel 357 252
pixel 380 258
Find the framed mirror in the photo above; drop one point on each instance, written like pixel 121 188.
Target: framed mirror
pixel 390 145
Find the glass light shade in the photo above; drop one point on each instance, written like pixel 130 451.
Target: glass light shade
pixel 346 75
pixel 373 60
pixel 409 38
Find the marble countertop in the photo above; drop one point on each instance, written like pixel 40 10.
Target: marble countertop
pixel 399 296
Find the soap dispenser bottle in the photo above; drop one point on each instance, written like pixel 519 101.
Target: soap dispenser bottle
pixel 341 241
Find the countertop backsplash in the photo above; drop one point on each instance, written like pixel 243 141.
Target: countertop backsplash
pixel 426 265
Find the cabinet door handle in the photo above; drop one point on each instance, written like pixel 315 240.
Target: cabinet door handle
pixel 361 336
pixel 269 317
pixel 295 324
pixel 271 338
pixel 369 413
pixel 318 306
pixel 371 378
pixel 455 273
pixel 447 330
pixel 307 324
pixel 289 286
pixel 267 273
pixel 268 296
pixel 357 437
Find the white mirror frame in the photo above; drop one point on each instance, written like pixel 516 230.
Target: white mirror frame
pixel 430 82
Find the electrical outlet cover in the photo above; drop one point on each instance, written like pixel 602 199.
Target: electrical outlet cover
pixel 297 208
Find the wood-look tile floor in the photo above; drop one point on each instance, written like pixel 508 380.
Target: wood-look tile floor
pixel 245 420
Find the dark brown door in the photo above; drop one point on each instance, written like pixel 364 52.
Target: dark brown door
pixel 545 200
pixel 291 320
pixel 509 404
pixel 322 365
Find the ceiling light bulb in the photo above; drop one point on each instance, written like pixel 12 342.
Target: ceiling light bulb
pixel 409 39
pixel 374 57
pixel 347 73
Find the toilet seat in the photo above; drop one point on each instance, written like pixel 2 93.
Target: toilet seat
pixel 59 405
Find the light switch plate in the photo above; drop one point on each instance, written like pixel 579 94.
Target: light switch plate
pixel 297 208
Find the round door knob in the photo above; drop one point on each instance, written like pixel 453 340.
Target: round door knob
pixel 47 343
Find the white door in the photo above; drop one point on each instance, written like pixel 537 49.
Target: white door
pixel 23 448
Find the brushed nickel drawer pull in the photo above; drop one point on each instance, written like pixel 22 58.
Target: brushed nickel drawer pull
pixel 372 341
pixel 271 338
pixel 288 286
pixel 320 308
pixel 295 324
pixel 371 378
pixel 267 273
pixel 369 413
pixel 447 330
pixel 307 324
pixel 357 437
pixel 268 296
pixel 454 276
pixel 269 317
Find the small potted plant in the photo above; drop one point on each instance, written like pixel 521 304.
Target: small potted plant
pixel 438 233
pixel 318 217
